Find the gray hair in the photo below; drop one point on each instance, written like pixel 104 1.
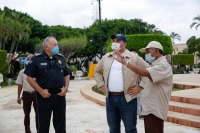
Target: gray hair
pixel 46 40
pixel 30 56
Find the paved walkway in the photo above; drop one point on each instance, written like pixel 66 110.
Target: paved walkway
pixel 82 115
pixel 187 79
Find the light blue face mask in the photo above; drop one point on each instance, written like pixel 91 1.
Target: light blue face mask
pixel 149 58
pixel 55 50
pixel 27 62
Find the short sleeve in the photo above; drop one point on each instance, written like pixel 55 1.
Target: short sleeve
pixel 67 71
pixel 19 80
pixel 31 68
pixel 159 71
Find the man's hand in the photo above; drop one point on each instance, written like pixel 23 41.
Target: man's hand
pixel 103 89
pixel 19 100
pixel 134 91
pixel 63 92
pixel 119 57
pixel 45 93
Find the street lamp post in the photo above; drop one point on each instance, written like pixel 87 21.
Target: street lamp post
pixel 100 29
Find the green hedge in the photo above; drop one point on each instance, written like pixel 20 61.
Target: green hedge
pixel 183 59
pixel 3 54
pixel 141 40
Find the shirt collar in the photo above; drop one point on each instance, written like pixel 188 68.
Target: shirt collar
pixel 126 54
pixel 158 60
pixel 46 55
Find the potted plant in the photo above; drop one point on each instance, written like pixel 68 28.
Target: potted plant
pixel 73 68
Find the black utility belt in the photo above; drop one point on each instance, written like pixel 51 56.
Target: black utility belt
pixel 54 91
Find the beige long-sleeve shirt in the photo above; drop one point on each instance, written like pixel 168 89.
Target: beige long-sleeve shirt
pixel 130 79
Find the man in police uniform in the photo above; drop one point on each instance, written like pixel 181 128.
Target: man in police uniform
pixel 51 84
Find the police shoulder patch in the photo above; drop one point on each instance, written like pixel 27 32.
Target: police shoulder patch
pixel 60 54
pixel 38 54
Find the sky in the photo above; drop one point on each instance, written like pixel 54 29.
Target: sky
pixel 167 15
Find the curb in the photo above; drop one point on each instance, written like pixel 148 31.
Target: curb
pixel 88 93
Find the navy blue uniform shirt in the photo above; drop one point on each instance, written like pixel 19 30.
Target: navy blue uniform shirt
pixel 49 73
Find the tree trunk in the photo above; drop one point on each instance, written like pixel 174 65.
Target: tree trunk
pixel 11 50
pixel 16 47
pixel 67 57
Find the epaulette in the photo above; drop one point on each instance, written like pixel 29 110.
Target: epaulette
pixel 60 54
pixel 38 54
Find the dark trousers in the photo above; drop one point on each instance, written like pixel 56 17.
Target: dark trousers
pixel 46 106
pixel 118 109
pixel 28 99
pixel 153 124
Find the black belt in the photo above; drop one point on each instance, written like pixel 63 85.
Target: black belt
pixel 117 93
pixel 54 91
pixel 29 92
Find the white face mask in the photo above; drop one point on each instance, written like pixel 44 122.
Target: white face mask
pixel 115 46
pixel 149 58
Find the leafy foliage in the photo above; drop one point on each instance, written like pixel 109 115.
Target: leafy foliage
pixel 139 41
pixel 175 36
pixel 183 59
pixel 196 22
pixel 69 46
pixel 3 54
pixel 193 45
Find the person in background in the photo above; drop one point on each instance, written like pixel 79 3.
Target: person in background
pixel 158 86
pixel 28 97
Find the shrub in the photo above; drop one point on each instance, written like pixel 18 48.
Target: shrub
pixel 141 40
pixel 183 59
pixel 3 54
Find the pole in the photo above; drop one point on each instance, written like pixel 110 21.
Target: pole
pixel 100 29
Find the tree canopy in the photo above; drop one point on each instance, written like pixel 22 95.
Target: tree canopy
pixel 196 22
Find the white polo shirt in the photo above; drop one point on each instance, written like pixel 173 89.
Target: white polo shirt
pixel 157 92
pixel 115 80
pixel 22 80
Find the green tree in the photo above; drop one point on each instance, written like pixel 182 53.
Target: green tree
pixel 192 44
pixel 70 46
pixel 174 36
pixel 196 22
pixel 185 51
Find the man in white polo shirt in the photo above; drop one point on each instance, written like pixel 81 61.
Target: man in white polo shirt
pixel 28 97
pixel 158 87
pixel 117 82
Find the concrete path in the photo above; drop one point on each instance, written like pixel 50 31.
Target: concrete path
pixel 82 116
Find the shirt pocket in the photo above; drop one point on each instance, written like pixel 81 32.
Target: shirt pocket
pixel 44 70
pixel 61 69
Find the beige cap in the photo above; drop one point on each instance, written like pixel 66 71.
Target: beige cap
pixel 152 44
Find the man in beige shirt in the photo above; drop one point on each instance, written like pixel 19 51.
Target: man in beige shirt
pixel 118 85
pixel 158 87
pixel 28 97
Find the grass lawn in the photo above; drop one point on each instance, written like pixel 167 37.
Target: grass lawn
pixel 176 89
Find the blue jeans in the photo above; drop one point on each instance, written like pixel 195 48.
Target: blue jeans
pixel 118 109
